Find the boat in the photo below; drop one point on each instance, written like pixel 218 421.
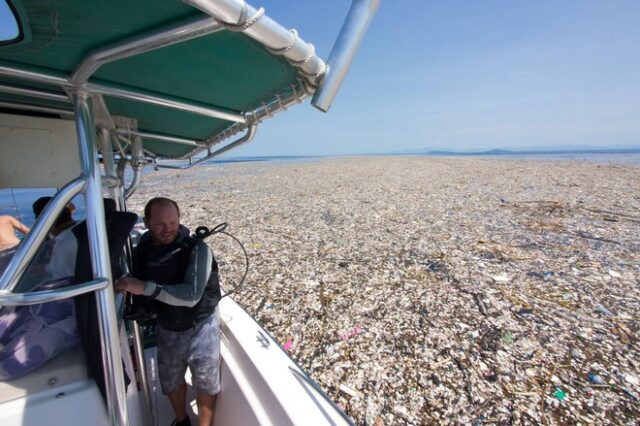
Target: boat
pixel 91 95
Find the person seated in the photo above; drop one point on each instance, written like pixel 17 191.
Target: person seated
pixel 31 335
pixel 65 218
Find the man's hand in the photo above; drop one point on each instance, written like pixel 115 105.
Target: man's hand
pixel 130 284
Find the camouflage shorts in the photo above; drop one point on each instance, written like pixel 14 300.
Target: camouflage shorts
pixel 197 348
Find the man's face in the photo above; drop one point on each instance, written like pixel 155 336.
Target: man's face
pixel 163 224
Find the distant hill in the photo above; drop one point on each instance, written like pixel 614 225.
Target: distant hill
pixel 632 150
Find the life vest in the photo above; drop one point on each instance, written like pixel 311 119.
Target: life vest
pixel 171 271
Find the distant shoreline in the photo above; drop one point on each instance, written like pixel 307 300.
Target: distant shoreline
pixel 564 155
pixel 494 152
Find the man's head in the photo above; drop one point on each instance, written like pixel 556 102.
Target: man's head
pixel 162 218
pixel 65 218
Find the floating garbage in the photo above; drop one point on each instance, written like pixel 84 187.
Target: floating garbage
pixel 526 313
pixel 630 378
pixel 596 379
pixel 349 391
pixel 400 246
pixel 603 310
pixel 330 350
pixel 351 333
pixel 507 337
pixel 502 278
pixel 614 274
pixel 559 394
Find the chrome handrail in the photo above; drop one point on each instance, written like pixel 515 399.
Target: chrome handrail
pixel 44 296
pixel 34 108
pixel 100 263
pixel 138 351
pixel 344 49
pixel 156 39
pixel 129 94
pixel 251 132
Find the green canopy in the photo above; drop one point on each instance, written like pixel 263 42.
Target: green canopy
pixel 223 70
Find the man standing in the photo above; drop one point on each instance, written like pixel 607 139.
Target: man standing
pixel 181 275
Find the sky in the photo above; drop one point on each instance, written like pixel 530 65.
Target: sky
pixel 468 75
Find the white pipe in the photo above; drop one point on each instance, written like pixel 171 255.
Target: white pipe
pixel 344 49
pixel 266 31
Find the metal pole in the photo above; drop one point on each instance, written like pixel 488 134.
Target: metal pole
pixel 107 158
pixel 111 357
pixel 44 296
pixel 345 48
pixel 138 351
pixel 167 101
pixel 49 110
pixel 137 164
pixel 119 92
pixel 158 137
pixel 188 30
pixel 251 132
pixel 34 93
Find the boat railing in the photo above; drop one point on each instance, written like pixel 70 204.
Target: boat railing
pixel 44 296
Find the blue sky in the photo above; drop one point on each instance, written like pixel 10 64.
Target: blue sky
pixel 468 75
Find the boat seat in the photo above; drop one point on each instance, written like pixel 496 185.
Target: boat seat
pixel 66 368
pixel 118 227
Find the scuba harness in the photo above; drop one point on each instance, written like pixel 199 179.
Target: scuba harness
pixel 144 309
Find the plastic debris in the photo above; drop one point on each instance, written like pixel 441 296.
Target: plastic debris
pixel 330 350
pixel 419 236
pixel 603 310
pixel 526 313
pixel 577 354
pixel 351 333
pixel 287 345
pixel 630 378
pixel 349 391
pixel 614 274
pixel 559 394
pixel 502 278
pixel 596 379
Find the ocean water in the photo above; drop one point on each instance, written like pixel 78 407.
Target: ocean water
pixel 603 157
pixel 18 202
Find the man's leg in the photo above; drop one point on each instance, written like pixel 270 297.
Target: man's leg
pixel 171 369
pixel 178 400
pixel 205 403
pixel 205 367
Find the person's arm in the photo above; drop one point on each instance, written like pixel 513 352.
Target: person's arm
pixel 19 226
pixel 8 227
pixel 187 293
